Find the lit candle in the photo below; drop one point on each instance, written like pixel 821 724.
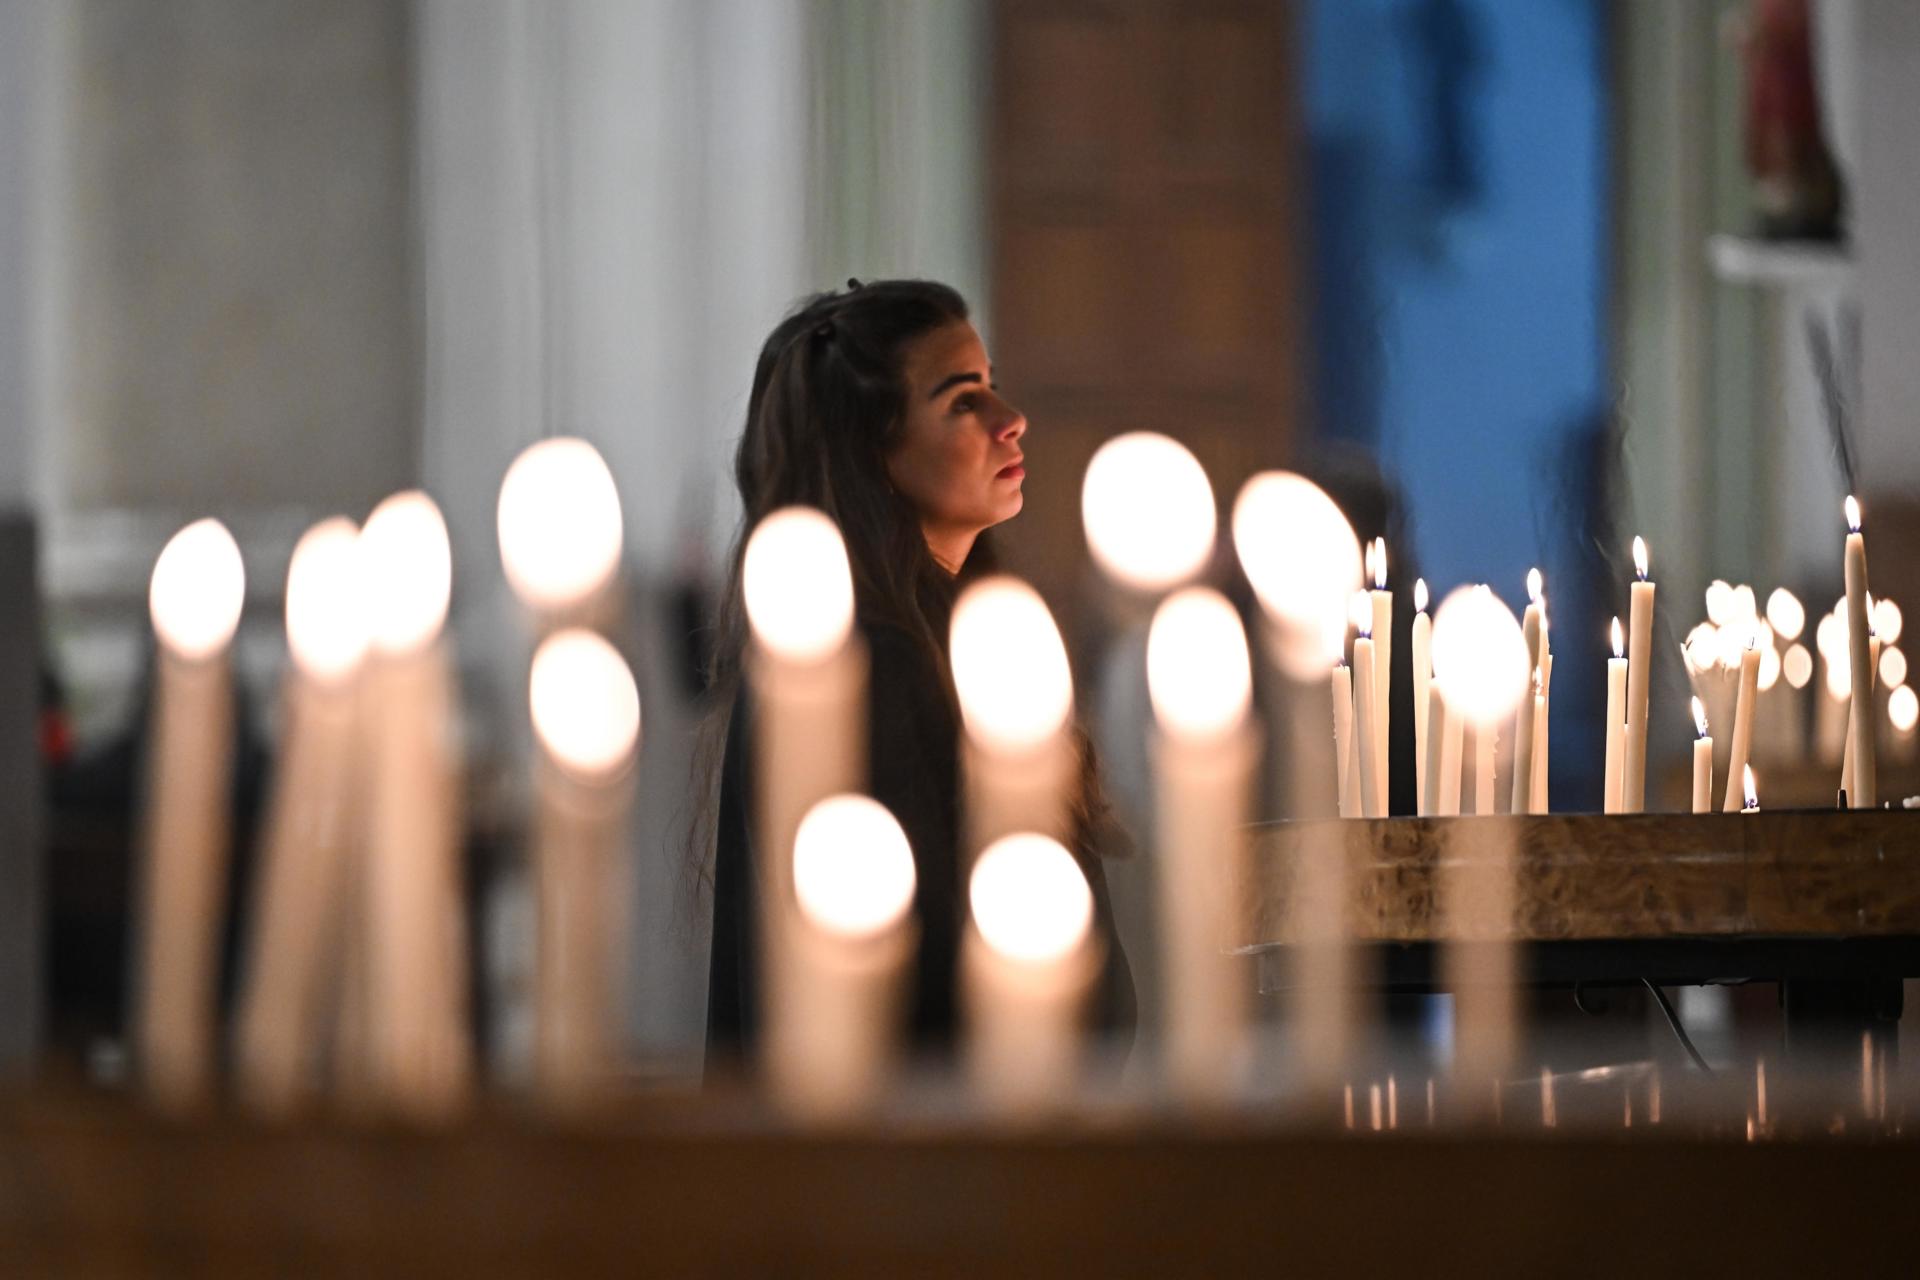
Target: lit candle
pixel 1016 700
pixel 1524 731
pixel 1450 757
pixel 1796 667
pixel 1864 793
pixel 1830 714
pixel 1742 746
pixel 807 676
pixel 1432 783
pixel 1028 961
pixel 1542 717
pixel 1304 563
pixel 586 716
pixel 1702 761
pixel 1422 677
pixel 1344 757
pixel 1484 742
pixel 1616 721
pixel 416 973
pixel 300 893
pixel 1366 721
pixel 1480 656
pixel 1148 510
pixel 1382 633
pixel 1200 679
pixel 853 880
pixel 1633 776
pixel 195 597
pixel 1752 804
pixel 559 523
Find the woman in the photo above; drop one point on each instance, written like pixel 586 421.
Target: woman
pixel 878 406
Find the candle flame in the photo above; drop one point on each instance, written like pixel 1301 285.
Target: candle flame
pixel 1619 640
pixel 1700 716
pixel 797 585
pixel 1380 564
pixel 1903 708
pixel 1797 665
pixel 1893 667
pixel 1199 676
pixel 1302 559
pixel 1360 612
pixel 585 706
pixel 1478 649
pixel 1872 622
pixel 1533 584
pixel 1029 898
pixel 1786 613
pixel 198 587
pixel 852 867
pixel 1852 507
pixel 1148 510
pixel 1640 557
pixel 1009 665
pixel 1746 785
pixel 558 520
pixel 326 601
pixel 409 566
pixel 1887 620
pixel 1419 595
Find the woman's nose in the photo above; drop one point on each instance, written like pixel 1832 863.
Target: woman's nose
pixel 1012 426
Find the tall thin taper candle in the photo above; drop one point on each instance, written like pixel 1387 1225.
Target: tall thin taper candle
pixel 1382 633
pixel 1525 725
pixel 1344 756
pixel 1523 761
pixel 197 590
pixel 1702 762
pixel 1864 793
pixel 1485 740
pixel 1742 745
pixel 1616 721
pixel 1434 749
pixel 1449 805
pixel 1633 783
pixel 1366 725
pixel 1543 717
pixel 1422 677
pixel 1199 677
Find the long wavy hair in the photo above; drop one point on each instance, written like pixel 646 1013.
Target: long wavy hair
pixel 827 409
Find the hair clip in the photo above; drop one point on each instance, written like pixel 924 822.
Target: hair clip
pixel 825 331
pixel 853 282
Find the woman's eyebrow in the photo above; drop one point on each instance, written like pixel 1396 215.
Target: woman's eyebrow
pixel 953 379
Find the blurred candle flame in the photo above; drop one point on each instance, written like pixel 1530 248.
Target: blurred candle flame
pixel 1030 900
pixel 1619 640
pixel 1009 665
pixel 409 567
pixel 585 706
pixel 797 585
pixel 1533 585
pixel 559 524
pixel 326 601
pixel 1419 595
pixel 1148 510
pixel 1199 675
pixel 198 587
pixel 1699 716
pixel 1302 559
pixel 1479 650
pixel 1852 508
pixel 1380 564
pixel 1640 557
pixel 853 870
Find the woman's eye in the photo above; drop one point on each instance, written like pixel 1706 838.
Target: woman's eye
pixel 965 404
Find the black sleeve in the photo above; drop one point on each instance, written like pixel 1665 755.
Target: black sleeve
pixel 733 964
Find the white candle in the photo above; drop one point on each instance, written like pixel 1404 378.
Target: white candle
pixel 1525 723
pixel 1480 656
pixel 586 717
pixel 854 936
pixel 1702 761
pixel 1742 746
pixel 1616 721
pixel 1434 749
pixel 1864 793
pixel 1485 740
pixel 1345 759
pixel 1199 677
pixel 1422 678
pixel 1542 715
pixel 1016 701
pixel 1366 725
pixel 197 590
pixel 300 896
pixel 1523 761
pixel 807 675
pixel 416 977
pixel 1633 784
pixel 1027 961
pixel 1382 633
pixel 1148 511
pixel 1450 760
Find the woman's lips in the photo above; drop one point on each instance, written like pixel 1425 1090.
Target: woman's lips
pixel 1012 471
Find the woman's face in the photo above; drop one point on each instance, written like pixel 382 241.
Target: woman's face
pixel 958 459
